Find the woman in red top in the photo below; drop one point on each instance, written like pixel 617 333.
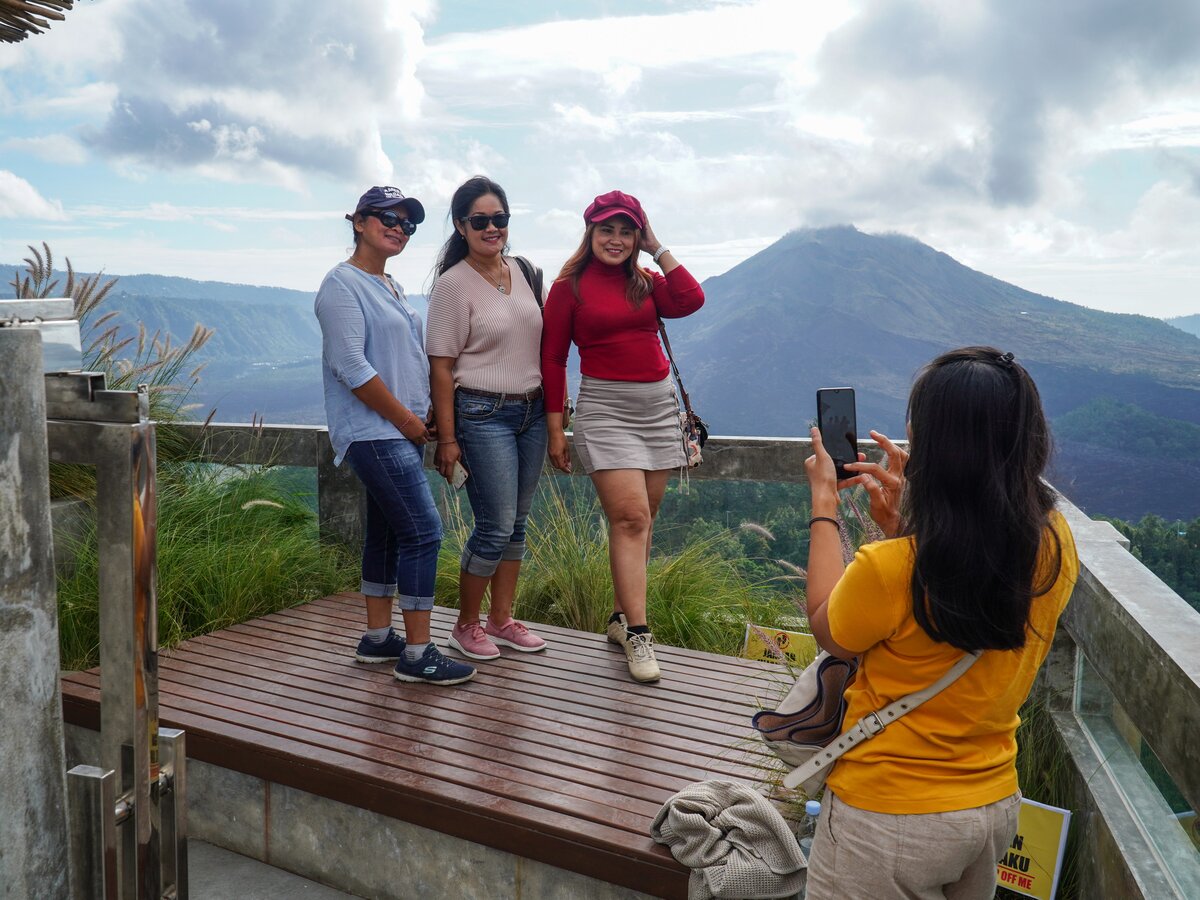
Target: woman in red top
pixel 626 425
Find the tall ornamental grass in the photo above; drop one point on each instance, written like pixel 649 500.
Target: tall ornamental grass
pixel 230 548
pixel 695 598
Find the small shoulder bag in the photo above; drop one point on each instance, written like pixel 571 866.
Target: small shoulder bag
pixel 695 432
pixel 805 731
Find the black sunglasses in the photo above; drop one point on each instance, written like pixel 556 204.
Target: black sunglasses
pixel 390 220
pixel 479 221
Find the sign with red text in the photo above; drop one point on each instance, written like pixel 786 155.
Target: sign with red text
pixel 1032 864
pixel 776 645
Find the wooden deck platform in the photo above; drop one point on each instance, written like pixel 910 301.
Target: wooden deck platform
pixel 557 756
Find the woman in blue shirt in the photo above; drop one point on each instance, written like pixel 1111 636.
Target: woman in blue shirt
pixel 376 379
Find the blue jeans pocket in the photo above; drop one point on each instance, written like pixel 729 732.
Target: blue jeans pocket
pixel 475 408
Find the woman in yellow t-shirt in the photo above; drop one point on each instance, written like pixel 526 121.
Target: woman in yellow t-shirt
pixel 977 560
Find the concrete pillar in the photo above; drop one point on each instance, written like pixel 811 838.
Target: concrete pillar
pixel 33 832
pixel 341 500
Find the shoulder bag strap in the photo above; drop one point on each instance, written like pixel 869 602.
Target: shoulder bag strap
pixel 687 403
pixel 874 723
pixel 533 277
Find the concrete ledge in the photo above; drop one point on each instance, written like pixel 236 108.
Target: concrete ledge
pixel 1147 857
pixel 355 850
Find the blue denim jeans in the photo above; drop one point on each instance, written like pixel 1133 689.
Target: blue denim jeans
pixel 503 444
pixel 404 530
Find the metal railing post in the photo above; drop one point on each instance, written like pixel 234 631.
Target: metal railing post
pixel 93 829
pixel 111 430
pixel 172 747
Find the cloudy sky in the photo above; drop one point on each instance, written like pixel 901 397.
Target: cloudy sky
pixel 1052 144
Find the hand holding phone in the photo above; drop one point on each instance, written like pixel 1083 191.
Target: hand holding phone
pixel 458 476
pixel 839 427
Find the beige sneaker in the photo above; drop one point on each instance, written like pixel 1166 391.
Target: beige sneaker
pixel 639 652
pixel 616 631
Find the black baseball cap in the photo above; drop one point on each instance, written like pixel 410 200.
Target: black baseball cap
pixel 388 197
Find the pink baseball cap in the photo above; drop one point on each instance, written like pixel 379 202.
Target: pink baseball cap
pixel 615 203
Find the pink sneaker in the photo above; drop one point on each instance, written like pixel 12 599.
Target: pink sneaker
pixel 513 634
pixel 469 640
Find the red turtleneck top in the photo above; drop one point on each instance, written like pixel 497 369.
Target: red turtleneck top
pixel 615 341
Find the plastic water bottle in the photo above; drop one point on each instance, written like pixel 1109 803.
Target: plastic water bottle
pixel 808 826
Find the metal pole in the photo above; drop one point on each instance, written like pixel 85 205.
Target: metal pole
pixel 33 832
pixel 173 807
pixel 111 430
pixel 129 643
pixel 93 826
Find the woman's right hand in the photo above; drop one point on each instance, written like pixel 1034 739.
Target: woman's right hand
pixel 559 451
pixel 444 458
pixel 884 484
pixel 415 430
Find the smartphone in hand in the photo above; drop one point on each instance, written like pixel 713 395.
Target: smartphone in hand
pixel 839 427
pixel 458 476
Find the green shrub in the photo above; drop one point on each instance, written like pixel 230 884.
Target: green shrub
pixel 695 598
pixel 229 549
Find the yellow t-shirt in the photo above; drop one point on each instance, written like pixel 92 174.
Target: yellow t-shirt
pixel 957 750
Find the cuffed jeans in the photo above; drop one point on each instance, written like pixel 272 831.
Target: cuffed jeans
pixel 404 530
pixel 929 856
pixel 503 445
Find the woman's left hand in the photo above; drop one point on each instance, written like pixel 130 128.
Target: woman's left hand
pixel 650 243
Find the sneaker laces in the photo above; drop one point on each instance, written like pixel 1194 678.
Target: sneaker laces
pixel 474 630
pixel 641 646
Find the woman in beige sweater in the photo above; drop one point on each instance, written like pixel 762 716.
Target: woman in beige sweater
pixel 483 340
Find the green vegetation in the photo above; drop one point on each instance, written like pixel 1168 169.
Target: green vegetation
pixel 696 596
pixel 229 549
pixel 1109 423
pixel 1171 550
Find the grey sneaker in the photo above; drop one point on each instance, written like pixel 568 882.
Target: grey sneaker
pixel 639 653
pixel 616 631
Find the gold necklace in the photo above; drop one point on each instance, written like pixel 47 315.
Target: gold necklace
pixel 498 279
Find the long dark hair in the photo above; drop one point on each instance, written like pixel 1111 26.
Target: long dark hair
pixel 975 502
pixel 638 282
pixel 454 250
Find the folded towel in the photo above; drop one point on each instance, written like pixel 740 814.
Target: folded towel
pixel 734 841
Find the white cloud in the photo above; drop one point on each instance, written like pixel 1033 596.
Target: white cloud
pixel 61 149
pixel 262 92
pixel 20 200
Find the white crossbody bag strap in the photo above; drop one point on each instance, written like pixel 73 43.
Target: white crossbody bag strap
pixel 874 723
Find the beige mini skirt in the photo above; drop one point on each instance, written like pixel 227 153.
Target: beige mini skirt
pixel 628 425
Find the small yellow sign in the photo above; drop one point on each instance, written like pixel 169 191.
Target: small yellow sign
pixel 1032 864
pixel 777 645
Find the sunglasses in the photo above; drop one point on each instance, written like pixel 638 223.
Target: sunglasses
pixel 479 221
pixel 390 220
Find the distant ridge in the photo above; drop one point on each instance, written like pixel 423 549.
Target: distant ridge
pixel 1190 324
pixel 835 306
pixel 172 287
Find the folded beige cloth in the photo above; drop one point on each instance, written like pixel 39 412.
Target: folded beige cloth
pixel 734 841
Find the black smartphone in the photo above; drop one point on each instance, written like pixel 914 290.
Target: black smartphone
pixel 839 427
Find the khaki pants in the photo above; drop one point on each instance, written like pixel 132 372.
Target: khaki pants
pixel 860 855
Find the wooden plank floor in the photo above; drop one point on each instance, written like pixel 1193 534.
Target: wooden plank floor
pixel 556 756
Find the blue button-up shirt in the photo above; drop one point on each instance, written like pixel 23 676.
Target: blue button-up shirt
pixel 366 331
